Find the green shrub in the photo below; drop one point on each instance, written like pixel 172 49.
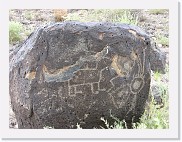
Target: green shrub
pixel 29 15
pixel 117 124
pixel 104 15
pixel 153 118
pixel 162 40
pixel 15 31
pixel 128 18
pixel 157 11
pixel 157 76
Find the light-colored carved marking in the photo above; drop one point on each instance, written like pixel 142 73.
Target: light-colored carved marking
pixel 86 115
pixel 99 55
pixel 76 85
pixel 78 92
pixel 133 104
pixel 60 90
pixel 132 32
pixel 58 71
pixel 96 65
pixel 136 85
pixel 71 105
pixel 121 104
pixel 137 60
pixel 114 65
pixel 113 101
pixel 140 66
pixel 92 88
pixel 133 56
pixel 119 92
pixel 101 36
pixel 143 60
pixel 104 89
pixel 30 75
pixel 59 109
pixel 112 89
pixel 109 90
pixel 71 91
pixel 43 92
pixel 123 94
pixel 78 33
pixel 60 75
pixel 100 77
pixel 135 34
pixel 127 65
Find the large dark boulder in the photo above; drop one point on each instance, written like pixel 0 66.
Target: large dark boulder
pixel 71 72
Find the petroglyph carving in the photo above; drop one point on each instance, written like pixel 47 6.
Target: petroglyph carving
pixel 82 72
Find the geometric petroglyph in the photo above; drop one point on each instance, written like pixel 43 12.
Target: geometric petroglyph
pixel 136 85
pixel 78 73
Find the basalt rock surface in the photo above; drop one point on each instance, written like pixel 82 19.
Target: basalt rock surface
pixel 157 59
pixel 75 73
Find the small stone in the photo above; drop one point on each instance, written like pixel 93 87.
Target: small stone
pixel 159 45
pixel 157 59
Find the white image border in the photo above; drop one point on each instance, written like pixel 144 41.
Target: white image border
pixel 171 133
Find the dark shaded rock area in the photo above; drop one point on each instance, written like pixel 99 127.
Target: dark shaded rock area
pixel 157 59
pixel 73 73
